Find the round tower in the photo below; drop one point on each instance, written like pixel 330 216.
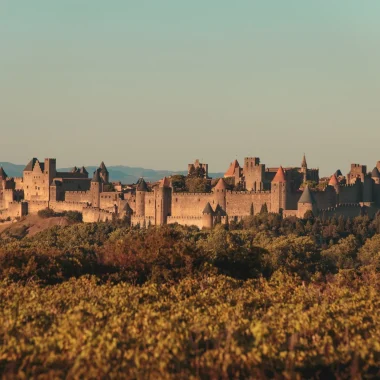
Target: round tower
pixel 307 203
pixel 375 175
pixel 141 190
pixel 219 192
pixel 208 216
pixel 279 191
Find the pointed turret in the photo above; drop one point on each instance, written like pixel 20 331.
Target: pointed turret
pixel 96 176
pixel 141 185
pixel 74 169
pixel 208 209
pixel 103 167
pixel 232 169
pixel 333 181
pixel 219 211
pixel 221 185
pixel 3 175
pixel 307 196
pixel 280 175
pixel 83 170
pixel 304 163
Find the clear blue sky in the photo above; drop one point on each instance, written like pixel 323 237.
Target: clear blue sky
pixel 159 83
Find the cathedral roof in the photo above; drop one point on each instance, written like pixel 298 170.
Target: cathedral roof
pixel 103 167
pixel 221 185
pixel 208 209
pixel 333 180
pixel 304 163
pixel 280 175
pixel 141 185
pixel 231 170
pixel 375 173
pixel 96 177
pixel 307 196
pixel 3 175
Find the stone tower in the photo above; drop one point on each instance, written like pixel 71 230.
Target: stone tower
pixel 104 174
pixel 141 190
pixel 219 193
pixel 207 216
pixel 307 203
pixel 279 191
pixel 95 189
pixel 163 195
pixel 254 174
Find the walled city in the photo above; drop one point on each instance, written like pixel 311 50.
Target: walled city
pixel 243 191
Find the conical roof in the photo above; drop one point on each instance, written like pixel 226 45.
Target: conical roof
pixel 333 181
pixel 221 185
pixel 231 170
pixel 141 185
pixel 208 209
pixel 74 169
pixel 83 170
pixel 103 167
pixel 96 177
pixel 3 175
pixel 219 211
pixel 375 173
pixel 304 163
pixel 280 175
pixel 307 196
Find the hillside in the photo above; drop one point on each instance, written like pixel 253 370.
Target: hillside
pixel 125 174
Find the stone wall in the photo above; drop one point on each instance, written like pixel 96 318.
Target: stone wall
pixel 94 215
pixel 59 206
pixel 190 204
pixel 78 196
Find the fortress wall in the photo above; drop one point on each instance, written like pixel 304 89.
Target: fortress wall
pixel 289 213
pixel 108 200
pixel 325 199
pixel 349 193
pixel 258 200
pixel 35 206
pixel 14 210
pixel 75 184
pixel 142 221
pixel 238 203
pixel 346 210
pixel 94 215
pixel 292 200
pixel 190 204
pixel 78 196
pixel 150 202
pixel 187 221
pixel 67 206
pixel 376 194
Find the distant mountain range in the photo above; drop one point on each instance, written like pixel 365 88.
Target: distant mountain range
pixel 125 174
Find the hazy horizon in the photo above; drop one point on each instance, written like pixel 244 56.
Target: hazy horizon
pixel 159 84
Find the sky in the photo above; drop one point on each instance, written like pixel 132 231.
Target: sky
pixel 157 84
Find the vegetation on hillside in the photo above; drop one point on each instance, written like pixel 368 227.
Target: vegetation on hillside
pixel 262 298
